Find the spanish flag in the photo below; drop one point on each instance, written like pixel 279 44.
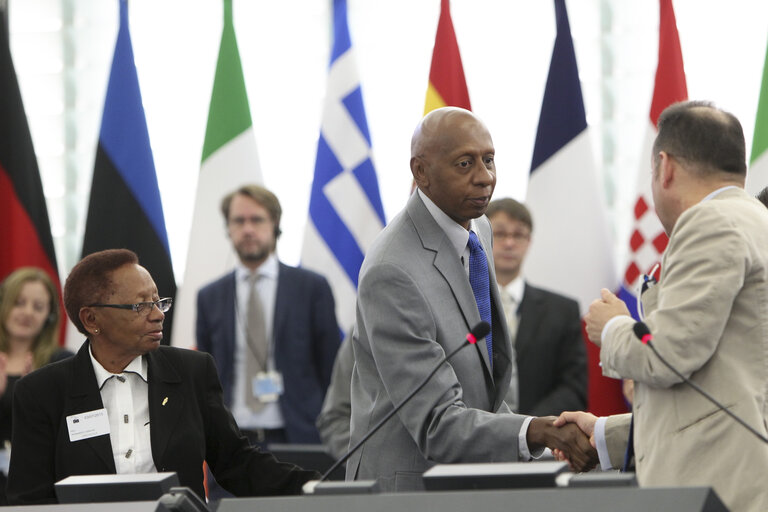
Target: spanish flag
pixel 447 86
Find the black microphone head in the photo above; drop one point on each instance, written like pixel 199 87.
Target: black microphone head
pixel 641 330
pixel 481 330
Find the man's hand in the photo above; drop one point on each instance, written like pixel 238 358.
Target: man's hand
pixel 584 420
pixel 600 311
pixel 586 423
pixel 567 439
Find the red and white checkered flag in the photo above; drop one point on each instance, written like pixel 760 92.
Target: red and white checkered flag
pixel 648 239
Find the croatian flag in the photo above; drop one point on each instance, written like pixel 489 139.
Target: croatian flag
pixel 345 209
pixel 648 239
pixel 571 250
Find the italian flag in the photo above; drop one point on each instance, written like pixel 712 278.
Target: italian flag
pixel 229 160
pixel 757 176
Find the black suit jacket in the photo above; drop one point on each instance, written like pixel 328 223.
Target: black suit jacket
pixel 188 419
pixel 551 356
pixel 306 339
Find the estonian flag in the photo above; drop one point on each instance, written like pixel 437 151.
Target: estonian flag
pixel 125 210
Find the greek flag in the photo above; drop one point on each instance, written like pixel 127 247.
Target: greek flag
pixel 345 210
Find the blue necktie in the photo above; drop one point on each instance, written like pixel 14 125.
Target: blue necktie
pixel 479 280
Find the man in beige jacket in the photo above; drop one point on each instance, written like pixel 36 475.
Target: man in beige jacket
pixel 709 319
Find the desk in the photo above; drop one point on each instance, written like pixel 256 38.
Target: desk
pixel 679 499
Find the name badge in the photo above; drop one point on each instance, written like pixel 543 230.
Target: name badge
pixel 87 425
pixel 267 386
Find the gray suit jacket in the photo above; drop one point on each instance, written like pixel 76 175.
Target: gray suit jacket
pixel 709 318
pixel 333 420
pixel 415 304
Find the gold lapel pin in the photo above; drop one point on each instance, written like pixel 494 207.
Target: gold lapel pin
pixel 165 400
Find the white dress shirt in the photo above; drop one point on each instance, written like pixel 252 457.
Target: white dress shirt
pixel 126 398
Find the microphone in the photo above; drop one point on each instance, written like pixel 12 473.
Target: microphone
pixel 478 332
pixel 644 334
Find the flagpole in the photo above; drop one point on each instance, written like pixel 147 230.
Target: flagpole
pixel 4 11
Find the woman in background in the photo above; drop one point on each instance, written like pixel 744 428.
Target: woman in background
pixel 29 328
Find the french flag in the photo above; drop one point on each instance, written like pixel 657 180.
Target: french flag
pixel 571 252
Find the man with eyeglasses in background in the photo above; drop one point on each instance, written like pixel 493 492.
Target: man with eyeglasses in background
pixel 270 327
pixel 545 327
pixel 124 404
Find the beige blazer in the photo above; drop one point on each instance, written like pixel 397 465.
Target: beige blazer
pixel 711 323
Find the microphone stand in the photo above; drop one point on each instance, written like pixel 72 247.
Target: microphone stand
pixel 479 331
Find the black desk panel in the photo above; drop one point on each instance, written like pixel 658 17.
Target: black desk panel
pixel 679 499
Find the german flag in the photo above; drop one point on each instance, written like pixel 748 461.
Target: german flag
pixel 25 232
pixel 447 86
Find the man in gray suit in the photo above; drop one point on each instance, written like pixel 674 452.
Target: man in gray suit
pixel 416 304
pixel 709 319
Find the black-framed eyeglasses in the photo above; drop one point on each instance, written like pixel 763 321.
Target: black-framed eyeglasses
pixel 163 305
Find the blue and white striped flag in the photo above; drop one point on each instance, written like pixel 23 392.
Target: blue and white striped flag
pixel 345 210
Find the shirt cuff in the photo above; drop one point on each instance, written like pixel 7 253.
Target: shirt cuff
pixel 522 439
pixel 604 335
pixel 602 446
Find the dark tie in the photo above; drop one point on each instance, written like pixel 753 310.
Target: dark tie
pixel 256 341
pixel 630 446
pixel 479 280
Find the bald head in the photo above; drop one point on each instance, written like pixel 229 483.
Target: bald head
pixel 435 125
pixel 452 161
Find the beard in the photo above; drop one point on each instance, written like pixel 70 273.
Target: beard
pixel 253 255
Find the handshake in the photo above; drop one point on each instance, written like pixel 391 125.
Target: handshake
pixel 570 436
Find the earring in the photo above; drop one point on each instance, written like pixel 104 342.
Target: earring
pixel 95 331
